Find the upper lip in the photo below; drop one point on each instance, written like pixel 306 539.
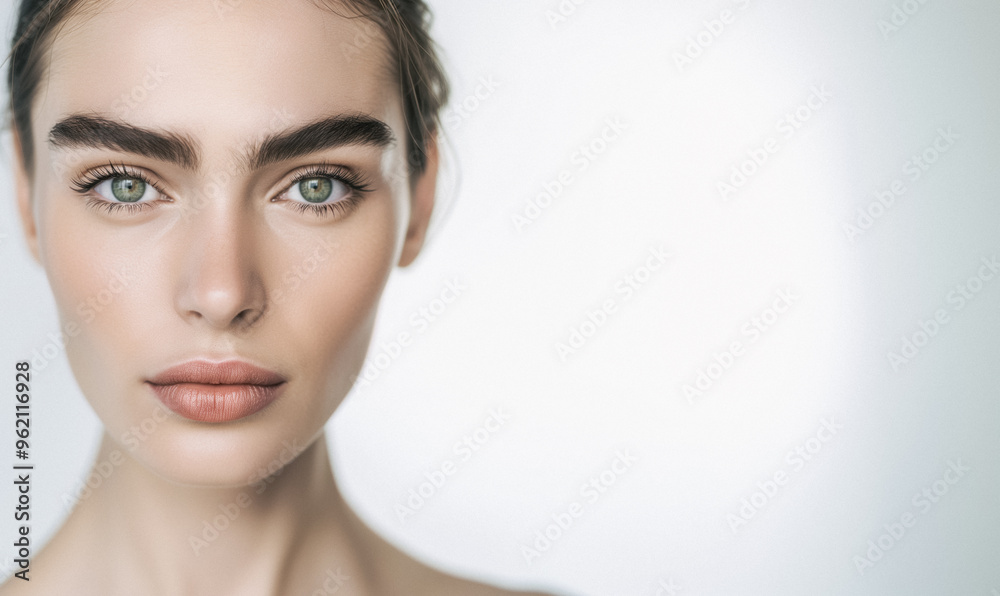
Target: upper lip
pixel 228 372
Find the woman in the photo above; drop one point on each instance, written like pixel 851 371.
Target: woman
pixel 239 178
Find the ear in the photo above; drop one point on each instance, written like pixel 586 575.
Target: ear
pixel 421 204
pixel 22 191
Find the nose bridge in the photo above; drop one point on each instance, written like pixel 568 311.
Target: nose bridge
pixel 220 282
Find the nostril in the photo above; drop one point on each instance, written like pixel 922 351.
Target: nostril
pixel 221 296
pixel 249 316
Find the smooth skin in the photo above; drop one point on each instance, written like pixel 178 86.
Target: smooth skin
pixel 221 264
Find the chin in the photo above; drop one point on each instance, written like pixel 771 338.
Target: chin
pixel 237 453
pixel 220 458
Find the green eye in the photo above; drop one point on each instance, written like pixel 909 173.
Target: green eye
pixel 128 190
pixel 316 190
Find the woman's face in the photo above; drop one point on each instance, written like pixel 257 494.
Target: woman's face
pixel 219 181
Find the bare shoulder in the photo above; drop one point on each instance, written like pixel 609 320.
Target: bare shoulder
pixel 454 586
pixel 36 584
pixel 474 589
pixel 54 570
pixel 405 574
pixel 40 584
pixel 432 581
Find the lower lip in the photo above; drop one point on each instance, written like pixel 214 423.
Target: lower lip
pixel 216 403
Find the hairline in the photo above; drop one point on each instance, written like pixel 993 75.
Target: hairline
pixel 389 63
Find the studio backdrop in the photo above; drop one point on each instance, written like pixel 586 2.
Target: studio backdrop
pixel 711 306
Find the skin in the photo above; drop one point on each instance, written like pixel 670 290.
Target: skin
pixel 215 269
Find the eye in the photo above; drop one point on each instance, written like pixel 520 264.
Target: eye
pixel 114 187
pixel 326 190
pixel 126 189
pixel 319 189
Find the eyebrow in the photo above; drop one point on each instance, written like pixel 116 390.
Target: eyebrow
pixel 88 131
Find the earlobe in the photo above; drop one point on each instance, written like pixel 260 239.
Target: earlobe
pixel 422 205
pixel 22 192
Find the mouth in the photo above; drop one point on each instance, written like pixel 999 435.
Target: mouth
pixel 216 392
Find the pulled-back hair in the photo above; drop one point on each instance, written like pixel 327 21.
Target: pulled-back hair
pixel 405 25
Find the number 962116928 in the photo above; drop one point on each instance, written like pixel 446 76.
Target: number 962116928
pixel 22 410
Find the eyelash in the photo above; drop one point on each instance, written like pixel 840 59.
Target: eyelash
pixel 88 181
pixel 357 185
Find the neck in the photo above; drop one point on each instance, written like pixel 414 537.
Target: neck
pixel 289 533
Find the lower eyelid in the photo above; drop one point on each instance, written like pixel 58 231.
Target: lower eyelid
pixel 340 208
pixel 113 207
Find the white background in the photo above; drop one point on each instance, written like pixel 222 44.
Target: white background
pixel 666 519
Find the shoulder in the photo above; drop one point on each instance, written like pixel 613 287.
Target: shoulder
pixel 474 589
pixel 57 569
pixel 431 581
pixel 446 585
pixel 401 573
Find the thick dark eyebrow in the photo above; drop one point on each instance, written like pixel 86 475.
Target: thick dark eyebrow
pixel 323 134
pixel 94 131
pixel 85 131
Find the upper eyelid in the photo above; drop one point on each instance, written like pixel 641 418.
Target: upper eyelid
pixel 326 170
pixel 100 173
pixel 91 179
pixel 317 170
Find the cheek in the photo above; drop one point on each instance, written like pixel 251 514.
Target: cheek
pixel 94 284
pixel 117 286
pixel 79 263
pixel 326 300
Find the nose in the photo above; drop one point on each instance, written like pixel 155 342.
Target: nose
pixel 221 284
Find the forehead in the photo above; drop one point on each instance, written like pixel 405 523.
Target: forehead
pixel 222 67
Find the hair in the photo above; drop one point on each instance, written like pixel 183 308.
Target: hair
pixel 405 24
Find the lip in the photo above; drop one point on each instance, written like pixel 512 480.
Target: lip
pixel 207 391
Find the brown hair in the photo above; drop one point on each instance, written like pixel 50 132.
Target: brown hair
pixel 405 24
